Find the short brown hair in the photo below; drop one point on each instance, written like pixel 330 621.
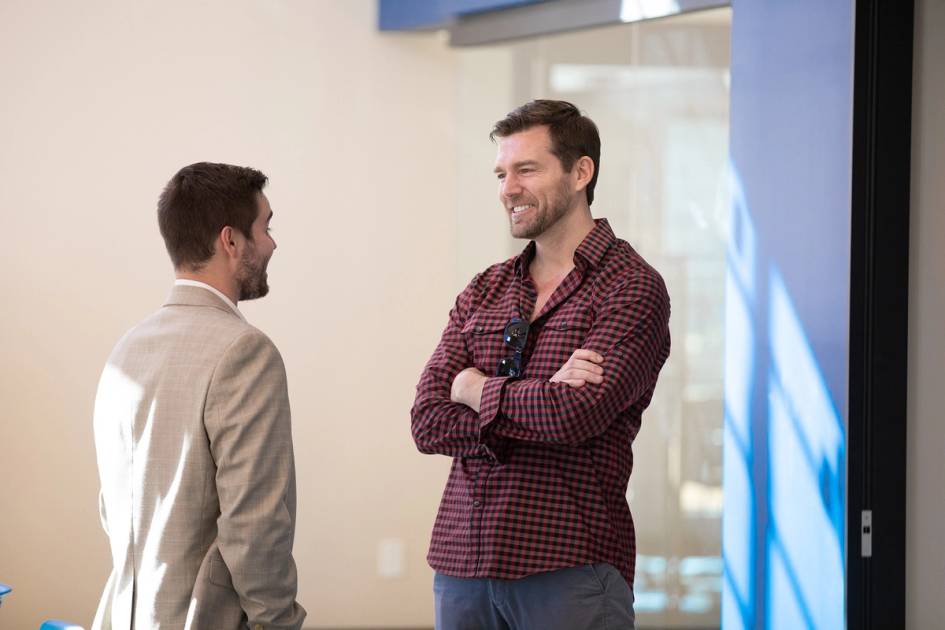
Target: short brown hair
pixel 199 201
pixel 573 135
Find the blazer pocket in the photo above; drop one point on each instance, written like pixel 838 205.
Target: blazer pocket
pixel 220 574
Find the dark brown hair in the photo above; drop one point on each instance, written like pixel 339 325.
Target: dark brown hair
pixel 573 135
pixel 199 201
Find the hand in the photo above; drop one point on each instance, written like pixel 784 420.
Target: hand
pixel 467 388
pixel 580 369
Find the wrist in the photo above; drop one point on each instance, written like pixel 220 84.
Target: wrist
pixel 467 388
pixel 474 390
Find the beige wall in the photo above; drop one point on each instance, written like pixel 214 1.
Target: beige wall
pixel 102 102
pixel 925 498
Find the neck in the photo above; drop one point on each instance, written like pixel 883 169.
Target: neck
pixel 224 283
pixel 555 247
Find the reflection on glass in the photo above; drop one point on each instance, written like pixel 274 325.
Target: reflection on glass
pixel 658 90
pixel 806 443
pixel 798 469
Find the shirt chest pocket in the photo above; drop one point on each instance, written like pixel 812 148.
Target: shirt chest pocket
pixel 483 334
pixel 563 333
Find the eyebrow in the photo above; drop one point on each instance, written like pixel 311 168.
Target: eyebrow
pixel 499 169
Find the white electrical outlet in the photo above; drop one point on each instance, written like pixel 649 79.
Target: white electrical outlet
pixel 391 558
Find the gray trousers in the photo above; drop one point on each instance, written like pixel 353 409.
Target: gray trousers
pixel 588 597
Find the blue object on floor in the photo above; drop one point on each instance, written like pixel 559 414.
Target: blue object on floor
pixel 52 624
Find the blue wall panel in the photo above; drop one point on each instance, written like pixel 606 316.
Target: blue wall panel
pixel 396 15
pixel 787 315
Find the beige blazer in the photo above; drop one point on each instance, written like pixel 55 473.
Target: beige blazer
pixel 194 448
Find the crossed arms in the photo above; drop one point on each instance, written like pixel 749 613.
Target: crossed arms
pixel 458 408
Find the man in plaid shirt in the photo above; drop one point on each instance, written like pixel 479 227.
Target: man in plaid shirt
pixel 536 391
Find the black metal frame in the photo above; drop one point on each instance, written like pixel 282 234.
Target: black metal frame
pixel 879 292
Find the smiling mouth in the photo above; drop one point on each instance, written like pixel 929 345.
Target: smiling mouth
pixel 522 208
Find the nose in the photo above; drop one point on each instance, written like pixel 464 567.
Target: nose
pixel 510 186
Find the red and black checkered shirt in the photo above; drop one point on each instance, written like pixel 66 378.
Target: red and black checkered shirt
pixel 539 476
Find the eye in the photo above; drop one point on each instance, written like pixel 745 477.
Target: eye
pixel 500 176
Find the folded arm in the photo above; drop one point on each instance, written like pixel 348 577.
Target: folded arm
pixel 438 424
pixel 630 333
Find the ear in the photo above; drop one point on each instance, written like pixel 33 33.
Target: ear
pixel 229 241
pixel 584 172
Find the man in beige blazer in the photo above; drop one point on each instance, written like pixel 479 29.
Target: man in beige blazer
pixel 192 430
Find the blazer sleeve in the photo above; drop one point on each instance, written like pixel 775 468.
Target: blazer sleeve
pixel 248 424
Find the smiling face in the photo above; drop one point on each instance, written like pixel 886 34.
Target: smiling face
pixel 533 187
pixel 252 277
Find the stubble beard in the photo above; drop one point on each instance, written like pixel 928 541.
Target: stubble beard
pixel 252 277
pixel 558 206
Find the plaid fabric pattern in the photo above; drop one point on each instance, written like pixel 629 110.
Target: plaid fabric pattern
pixel 539 475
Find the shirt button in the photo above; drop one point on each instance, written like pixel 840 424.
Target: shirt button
pixel 478 329
pixel 477 503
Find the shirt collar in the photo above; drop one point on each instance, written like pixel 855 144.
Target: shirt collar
pixel 591 250
pixel 596 244
pixel 183 282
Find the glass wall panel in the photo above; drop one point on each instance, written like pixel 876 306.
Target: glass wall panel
pixel 659 92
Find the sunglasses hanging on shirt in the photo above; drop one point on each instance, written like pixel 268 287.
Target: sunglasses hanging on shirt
pixel 515 337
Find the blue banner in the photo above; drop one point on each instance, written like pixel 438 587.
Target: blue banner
pixel 395 15
pixel 787 315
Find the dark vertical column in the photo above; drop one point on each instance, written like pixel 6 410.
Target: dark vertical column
pixel 878 312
